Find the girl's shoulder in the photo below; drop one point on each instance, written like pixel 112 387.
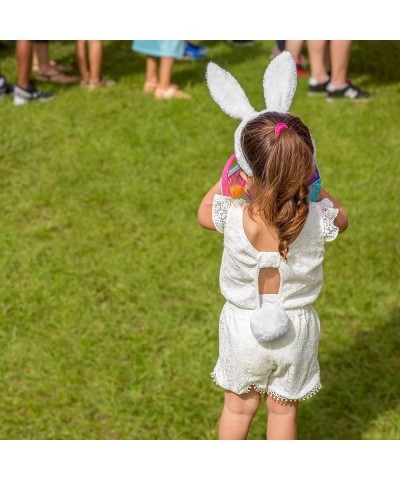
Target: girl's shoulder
pixel 325 215
pixel 221 207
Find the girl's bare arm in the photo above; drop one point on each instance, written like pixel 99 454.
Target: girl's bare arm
pixel 341 220
pixel 204 214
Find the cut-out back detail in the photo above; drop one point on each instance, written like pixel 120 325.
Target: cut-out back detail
pixel 269 281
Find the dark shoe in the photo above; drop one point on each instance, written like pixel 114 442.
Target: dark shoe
pixel 6 89
pixel 317 88
pixel 22 95
pixel 351 92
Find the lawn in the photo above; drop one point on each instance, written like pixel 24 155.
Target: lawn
pixel 109 299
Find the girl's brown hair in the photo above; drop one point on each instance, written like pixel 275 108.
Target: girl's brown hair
pixel 282 166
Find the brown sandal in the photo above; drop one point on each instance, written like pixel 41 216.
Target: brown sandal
pixel 56 77
pixel 104 82
pixel 58 66
pixel 61 68
pixel 171 92
pixel 149 87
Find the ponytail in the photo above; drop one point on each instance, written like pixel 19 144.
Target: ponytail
pixel 282 165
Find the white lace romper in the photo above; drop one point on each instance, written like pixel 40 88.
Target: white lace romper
pixel 286 368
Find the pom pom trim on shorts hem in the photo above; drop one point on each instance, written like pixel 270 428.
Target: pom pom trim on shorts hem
pixel 273 394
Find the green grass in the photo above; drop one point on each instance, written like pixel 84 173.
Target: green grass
pixel 109 296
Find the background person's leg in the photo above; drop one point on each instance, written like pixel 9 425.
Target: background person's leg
pixel 166 65
pixel 316 53
pixel 151 82
pixel 81 60
pixel 45 71
pixel 25 91
pixel 24 51
pixel 95 59
pixel 340 55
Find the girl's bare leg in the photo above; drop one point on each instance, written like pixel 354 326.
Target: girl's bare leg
pixel 35 61
pixel 82 60
pixel 294 47
pixel 316 53
pixel 95 58
pixel 328 56
pixel 41 52
pixel 340 54
pixel 24 51
pixel 151 70
pixel 237 414
pixel 166 64
pixel 282 419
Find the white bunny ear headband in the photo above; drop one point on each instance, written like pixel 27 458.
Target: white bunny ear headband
pixel 279 82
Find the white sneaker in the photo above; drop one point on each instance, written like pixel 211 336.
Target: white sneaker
pixel 22 95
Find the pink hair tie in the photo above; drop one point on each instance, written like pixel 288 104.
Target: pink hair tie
pixel 279 128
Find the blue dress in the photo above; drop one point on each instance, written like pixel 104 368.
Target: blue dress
pixel 160 48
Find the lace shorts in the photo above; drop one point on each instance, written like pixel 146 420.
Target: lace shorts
pixel 286 368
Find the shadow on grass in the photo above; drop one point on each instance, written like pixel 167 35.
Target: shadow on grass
pixel 359 385
pixel 375 59
pixel 119 60
pixel 7 49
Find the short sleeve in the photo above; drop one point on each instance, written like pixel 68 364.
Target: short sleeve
pixel 328 213
pixel 220 207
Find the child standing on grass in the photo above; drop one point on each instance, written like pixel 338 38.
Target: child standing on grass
pixel 89 56
pixel 161 55
pixel 271 271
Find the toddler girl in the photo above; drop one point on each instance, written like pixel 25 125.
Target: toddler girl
pixel 89 56
pixel 271 272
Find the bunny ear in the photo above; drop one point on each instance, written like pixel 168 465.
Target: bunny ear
pixel 227 92
pixel 280 81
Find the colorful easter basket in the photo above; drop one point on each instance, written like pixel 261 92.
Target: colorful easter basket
pixel 232 184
